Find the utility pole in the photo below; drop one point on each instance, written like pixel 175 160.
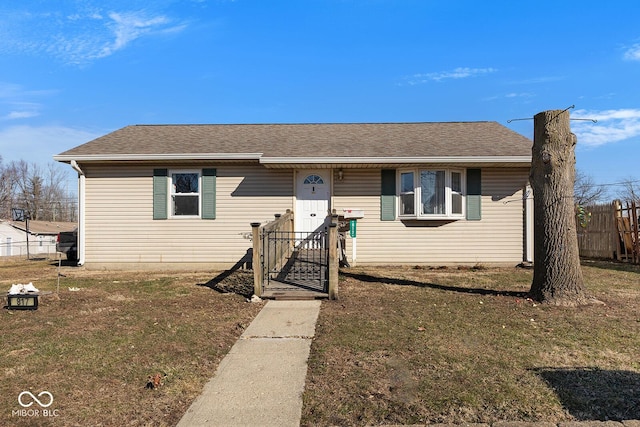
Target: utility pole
pixel 26 228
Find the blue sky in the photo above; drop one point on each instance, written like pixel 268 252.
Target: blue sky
pixel 73 70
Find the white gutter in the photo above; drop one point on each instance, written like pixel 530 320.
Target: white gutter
pixel 529 224
pixel 156 157
pixel 81 202
pixel 395 160
pixel 354 160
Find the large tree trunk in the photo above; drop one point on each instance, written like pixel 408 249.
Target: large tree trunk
pixel 557 276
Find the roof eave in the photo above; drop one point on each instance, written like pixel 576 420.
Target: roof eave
pixel 291 161
pixel 525 160
pixel 67 158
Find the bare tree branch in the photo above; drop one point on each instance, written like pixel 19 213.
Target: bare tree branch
pixel 36 190
pixel 586 191
pixel 630 189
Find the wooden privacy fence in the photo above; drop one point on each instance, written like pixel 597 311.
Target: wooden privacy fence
pixel 610 231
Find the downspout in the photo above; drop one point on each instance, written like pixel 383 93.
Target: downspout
pixel 528 214
pixel 81 200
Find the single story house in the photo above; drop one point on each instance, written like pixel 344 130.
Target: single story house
pixel 183 196
pixel 42 236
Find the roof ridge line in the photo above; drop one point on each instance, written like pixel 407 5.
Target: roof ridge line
pixel 312 123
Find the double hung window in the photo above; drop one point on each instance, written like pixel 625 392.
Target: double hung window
pixel 185 193
pixel 407 194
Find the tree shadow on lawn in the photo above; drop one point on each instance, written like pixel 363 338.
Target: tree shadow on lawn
pixel 238 279
pixel 404 282
pixel 607 264
pixel 593 394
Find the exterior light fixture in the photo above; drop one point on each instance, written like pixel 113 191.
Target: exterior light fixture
pixel 340 174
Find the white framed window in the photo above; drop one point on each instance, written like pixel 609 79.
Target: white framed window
pixel 457 193
pixel 407 193
pixel 185 194
pixel 431 193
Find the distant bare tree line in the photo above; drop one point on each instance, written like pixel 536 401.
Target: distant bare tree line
pixel 38 190
pixel 587 192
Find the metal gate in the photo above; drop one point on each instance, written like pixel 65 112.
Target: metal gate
pixel 296 260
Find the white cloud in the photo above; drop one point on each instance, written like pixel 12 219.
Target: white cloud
pixel 39 144
pixel 127 27
pixel 611 126
pixel 9 90
pixel 511 95
pixel 633 53
pixel 457 73
pixel 79 36
pixel 519 95
pixel 537 80
pixel 18 102
pixel 12 91
pixel 21 115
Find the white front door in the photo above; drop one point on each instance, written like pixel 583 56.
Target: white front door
pixel 312 199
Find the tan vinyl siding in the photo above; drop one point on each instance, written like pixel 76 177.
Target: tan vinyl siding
pixel 496 239
pixel 121 232
pixel 119 217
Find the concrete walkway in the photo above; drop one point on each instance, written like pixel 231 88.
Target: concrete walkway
pixel 260 382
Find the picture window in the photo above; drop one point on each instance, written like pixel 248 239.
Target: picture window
pixel 431 194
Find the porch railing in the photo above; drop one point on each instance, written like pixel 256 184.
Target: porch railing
pixel 271 257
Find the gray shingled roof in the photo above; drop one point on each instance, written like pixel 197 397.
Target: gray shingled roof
pixel 45 227
pixel 317 141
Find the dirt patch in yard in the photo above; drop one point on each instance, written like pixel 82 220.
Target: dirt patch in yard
pixel 239 282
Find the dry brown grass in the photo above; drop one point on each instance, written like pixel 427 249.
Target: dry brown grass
pixel 96 348
pixel 405 346
pixel 400 346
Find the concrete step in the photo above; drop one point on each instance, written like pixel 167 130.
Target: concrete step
pixel 294 295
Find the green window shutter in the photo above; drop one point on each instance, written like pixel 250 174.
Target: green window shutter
pixel 160 189
pixel 388 195
pixel 474 194
pixel 209 193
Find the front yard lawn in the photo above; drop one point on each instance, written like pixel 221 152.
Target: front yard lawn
pixel 415 346
pixel 95 345
pixel 401 346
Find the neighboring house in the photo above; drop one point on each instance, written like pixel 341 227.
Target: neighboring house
pixel 183 196
pixel 42 237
